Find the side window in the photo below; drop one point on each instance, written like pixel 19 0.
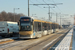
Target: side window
pixel 43 26
pixel 35 26
pixel 52 26
pixel 55 26
pixel 39 26
pixel 48 26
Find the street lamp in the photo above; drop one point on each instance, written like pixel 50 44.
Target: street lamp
pixel 14 12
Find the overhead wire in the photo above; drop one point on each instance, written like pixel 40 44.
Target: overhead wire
pixel 38 6
pixel 57 6
pixel 48 5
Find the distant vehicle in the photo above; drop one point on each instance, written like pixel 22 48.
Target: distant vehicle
pixel 35 28
pixel 8 28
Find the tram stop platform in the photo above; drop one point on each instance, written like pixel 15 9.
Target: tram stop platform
pixel 68 42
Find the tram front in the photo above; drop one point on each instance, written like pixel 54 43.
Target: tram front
pixel 25 27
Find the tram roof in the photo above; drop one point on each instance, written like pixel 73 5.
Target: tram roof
pixel 39 20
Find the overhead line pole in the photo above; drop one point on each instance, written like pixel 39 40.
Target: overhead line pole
pixel 49 12
pixel 28 8
pixel 60 20
pixel 56 17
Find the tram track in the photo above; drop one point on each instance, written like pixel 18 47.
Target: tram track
pixel 49 39
pixel 39 43
pixel 19 44
pixel 55 43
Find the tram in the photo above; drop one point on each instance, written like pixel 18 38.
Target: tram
pixel 35 28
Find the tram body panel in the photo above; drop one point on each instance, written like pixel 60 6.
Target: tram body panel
pixel 50 31
pixel 45 32
pixel 39 34
pixel 57 30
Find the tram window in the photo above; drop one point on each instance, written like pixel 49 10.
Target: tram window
pixel 26 28
pixel 48 26
pixel 58 26
pixel 35 26
pixel 52 26
pixel 55 26
pixel 39 26
pixel 43 26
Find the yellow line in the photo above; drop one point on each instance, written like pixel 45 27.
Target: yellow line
pixel 6 41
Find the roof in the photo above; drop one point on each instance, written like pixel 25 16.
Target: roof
pixel 39 20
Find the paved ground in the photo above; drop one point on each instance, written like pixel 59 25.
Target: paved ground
pixel 32 44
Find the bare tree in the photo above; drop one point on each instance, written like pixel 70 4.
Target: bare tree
pixel 9 16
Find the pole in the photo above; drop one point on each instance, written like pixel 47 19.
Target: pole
pixel 14 14
pixel 74 19
pixel 56 17
pixel 50 16
pixel 49 12
pixel 28 8
pixel 60 20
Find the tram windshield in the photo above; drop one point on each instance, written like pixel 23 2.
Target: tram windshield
pixel 25 28
pixel 25 25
